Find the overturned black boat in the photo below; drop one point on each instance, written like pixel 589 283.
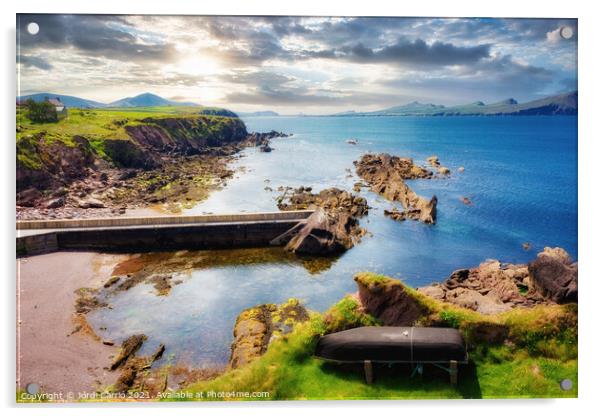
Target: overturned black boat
pixel 388 344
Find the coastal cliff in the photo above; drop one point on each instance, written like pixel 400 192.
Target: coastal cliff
pixel 115 162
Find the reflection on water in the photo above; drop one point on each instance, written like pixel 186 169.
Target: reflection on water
pixel 520 174
pixel 195 320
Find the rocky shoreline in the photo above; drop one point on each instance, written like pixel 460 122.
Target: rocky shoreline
pixel 494 287
pixel 154 168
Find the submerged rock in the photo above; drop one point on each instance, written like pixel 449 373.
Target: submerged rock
pixel 87 300
pixel 423 210
pixel 128 349
pixel 162 284
pixel 466 200
pixel 433 161
pixel 136 373
pixel 443 170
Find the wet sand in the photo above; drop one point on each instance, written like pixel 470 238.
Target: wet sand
pixel 49 352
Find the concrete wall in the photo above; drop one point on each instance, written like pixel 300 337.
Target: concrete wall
pixel 37 244
pixel 167 238
pixel 162 220
pixel 258 230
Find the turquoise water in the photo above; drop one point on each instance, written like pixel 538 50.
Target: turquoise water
pixel 520 173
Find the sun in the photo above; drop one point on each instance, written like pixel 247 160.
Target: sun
pixel 197 65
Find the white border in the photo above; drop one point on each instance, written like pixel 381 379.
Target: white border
pixel 589 185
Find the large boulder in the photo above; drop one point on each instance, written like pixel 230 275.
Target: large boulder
pixel 331 229
pixel 388 300
pixel 323 233
pixel 554 276
pixel 28 197
pixel 256 327
pixel 251 335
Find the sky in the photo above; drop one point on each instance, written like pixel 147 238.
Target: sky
pixel 311 65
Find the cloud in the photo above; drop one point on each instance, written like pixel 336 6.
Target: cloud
pixel 245 42
pixel 492 79
pixel 291 96
pixel 34 62
pixel 417 52
pixel 256 78
pixel 110 37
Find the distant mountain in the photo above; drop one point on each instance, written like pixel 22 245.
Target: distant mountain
pixel 68 100
pixel 142 100
pixel 147 100
pixel 259 114
pixel 345 113
pixel 562 104
pixel 413 108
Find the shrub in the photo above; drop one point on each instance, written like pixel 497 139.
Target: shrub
pixel 43 112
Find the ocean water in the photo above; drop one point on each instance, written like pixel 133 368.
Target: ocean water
pixel 519 172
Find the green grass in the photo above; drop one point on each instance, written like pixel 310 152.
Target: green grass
pixel 105 130
pixel 97 123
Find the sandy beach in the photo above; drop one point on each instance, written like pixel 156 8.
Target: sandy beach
pixel 54 349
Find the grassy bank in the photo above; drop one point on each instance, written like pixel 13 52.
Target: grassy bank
pixel 99 123
pixel 536 350
pixel 156 140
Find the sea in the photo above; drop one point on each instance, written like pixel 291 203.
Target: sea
pixel 519 172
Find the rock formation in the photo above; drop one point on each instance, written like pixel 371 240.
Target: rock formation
pixel 256 327
pixel 386 174
pixel 128 349
pixel 434 162
pixel 324 233
pixel 173 161
pixel 493 287
pixel 554 275
pixel 331 229
pixel 262 139
pixel 387 300
pixel 331 199
pixel 134 369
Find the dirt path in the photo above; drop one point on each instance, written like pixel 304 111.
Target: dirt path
pixel 49 352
